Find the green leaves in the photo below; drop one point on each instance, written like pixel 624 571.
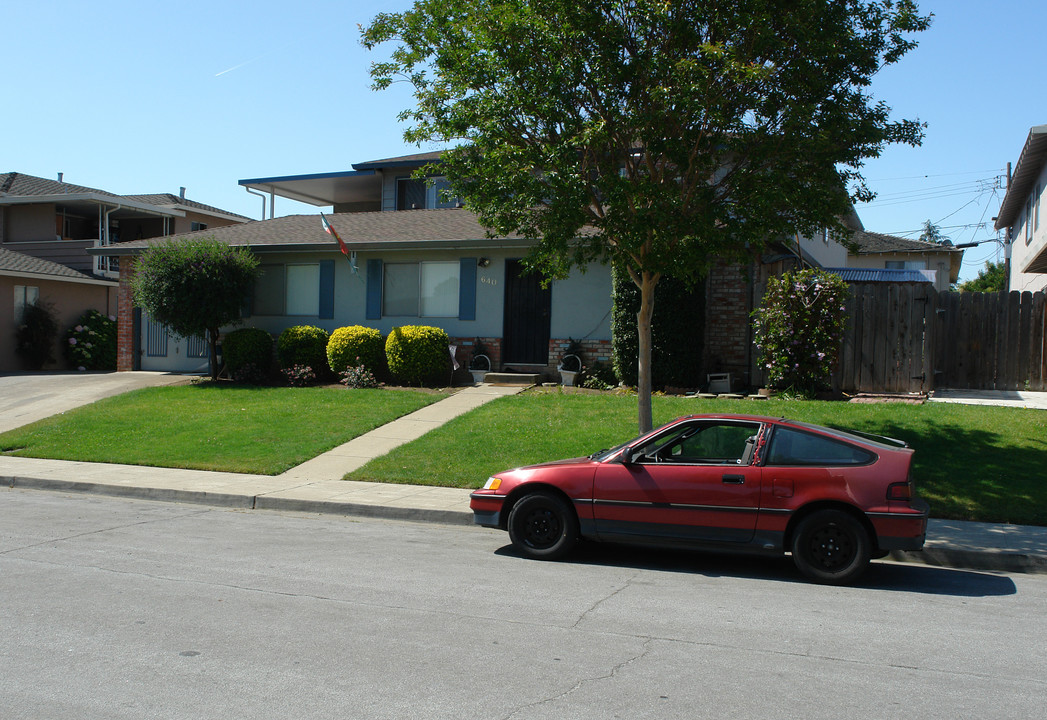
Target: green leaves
pixel 194 286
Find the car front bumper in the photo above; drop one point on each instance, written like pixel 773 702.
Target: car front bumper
pixel 487 509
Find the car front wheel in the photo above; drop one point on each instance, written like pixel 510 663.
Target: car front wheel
pixel 543 526
pixel 831 547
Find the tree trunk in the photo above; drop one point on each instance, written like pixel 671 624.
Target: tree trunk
pixel 212 340
pixel 643 333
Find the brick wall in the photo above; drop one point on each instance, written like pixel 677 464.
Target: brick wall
pixel 592 351
pixel 728 335
pixel 125 340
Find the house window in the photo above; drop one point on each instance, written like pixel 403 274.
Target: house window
pixel 410 194
pixel 197 226
pixel 905 264
pixel 24 295
pixel 303 289
pixel 1028 221
pixel 425 289
pixel 414 194
pixel 1036 210
pixel 288 290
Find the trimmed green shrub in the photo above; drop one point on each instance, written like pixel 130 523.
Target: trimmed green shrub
pixel 799 329
pixel 194 286
pixel 355 345
pixel 677 331
pixel 417 354
pixel 248 354
pixel 35 336
pixel 303 345
pixel 91 343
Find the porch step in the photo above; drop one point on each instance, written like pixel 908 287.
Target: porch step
pixel 513 378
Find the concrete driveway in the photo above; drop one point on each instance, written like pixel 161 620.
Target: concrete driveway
pixel 28 397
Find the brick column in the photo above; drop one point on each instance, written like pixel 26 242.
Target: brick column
pixel 125 340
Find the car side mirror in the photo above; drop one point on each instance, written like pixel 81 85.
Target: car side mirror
pixel 630 456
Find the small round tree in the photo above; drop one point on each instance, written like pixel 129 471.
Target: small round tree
pixel 195 287
pixel 799 329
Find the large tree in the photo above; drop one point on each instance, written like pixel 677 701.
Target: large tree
pixel 658 135
pixel 194 287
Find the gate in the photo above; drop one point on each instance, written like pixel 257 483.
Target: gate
pixel 910 338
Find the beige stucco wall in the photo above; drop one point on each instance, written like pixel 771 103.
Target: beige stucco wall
pixel 70 300
pixel 29 223
pixel 1021 253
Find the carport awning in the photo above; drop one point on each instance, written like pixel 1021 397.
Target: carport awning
pixel 338 188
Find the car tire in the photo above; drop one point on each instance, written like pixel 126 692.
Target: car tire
pixel 831 547
pixel 543 526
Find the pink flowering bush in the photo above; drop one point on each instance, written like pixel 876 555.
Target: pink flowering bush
pixel 799 329
pixel 91 343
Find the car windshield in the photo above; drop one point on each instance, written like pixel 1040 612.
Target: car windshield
pixel 602 455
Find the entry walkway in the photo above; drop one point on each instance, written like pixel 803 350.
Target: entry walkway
pixel 1005 398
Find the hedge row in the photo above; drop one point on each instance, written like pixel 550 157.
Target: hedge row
pixel 412 354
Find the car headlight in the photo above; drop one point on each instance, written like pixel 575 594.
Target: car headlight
pixel 492 483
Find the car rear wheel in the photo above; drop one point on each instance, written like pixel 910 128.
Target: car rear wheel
pixel 831 547
pixel 543 526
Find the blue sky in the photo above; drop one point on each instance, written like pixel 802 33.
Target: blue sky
pixel 145 97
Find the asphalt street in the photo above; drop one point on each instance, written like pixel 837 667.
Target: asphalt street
pixel 118 608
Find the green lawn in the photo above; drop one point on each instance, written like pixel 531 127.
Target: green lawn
pixel 209 426
pixel 972 462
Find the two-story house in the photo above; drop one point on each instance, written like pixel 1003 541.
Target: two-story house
pixel 57 221
pixel 1020 215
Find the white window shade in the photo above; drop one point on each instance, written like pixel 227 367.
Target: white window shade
pixel 400 290
pixel 439 289
pixel 303 290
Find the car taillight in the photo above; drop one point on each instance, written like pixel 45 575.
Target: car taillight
pixel 899 491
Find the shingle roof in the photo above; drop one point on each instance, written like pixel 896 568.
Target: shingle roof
pixel 22 185
pixel 168 199
pixel 11 261
pixel 416 159
pixel 408 229
pixel 870 242
pixel 14 183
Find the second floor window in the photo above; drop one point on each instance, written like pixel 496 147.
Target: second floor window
pixel 412 194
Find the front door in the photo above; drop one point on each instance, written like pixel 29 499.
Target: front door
pixel 163 351
pixel 528 307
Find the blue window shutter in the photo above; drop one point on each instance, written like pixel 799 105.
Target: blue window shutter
pixel 467 289
pixel 374 289
pixel 326 289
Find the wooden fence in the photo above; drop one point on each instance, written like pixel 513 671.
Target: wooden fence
pixel 910 338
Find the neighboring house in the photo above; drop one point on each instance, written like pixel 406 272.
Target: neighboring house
pixel 876 251
pixel 55 220
pixel 1020 215
pixel 25 279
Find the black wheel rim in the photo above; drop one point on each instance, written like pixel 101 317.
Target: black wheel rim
pixel 542 528
pixel 832 548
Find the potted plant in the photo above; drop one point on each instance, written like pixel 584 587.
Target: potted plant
pixel 570 363
pixel 480 364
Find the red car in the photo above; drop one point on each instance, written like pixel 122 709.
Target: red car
pixel 833 499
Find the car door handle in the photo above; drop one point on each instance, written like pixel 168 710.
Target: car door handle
pixel 734 479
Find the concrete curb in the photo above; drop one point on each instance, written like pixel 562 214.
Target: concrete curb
pixel 245 502
pixel 993 560
pixel 937 556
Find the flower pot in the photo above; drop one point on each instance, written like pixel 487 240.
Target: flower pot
pixel 478 375
pixel 567 377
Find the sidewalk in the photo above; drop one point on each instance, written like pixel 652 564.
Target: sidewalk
pixel 315 486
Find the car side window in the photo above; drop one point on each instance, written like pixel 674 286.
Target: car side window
pixel 795 447
pixel 717 444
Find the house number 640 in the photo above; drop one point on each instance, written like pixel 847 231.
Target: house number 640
pixel 489 280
